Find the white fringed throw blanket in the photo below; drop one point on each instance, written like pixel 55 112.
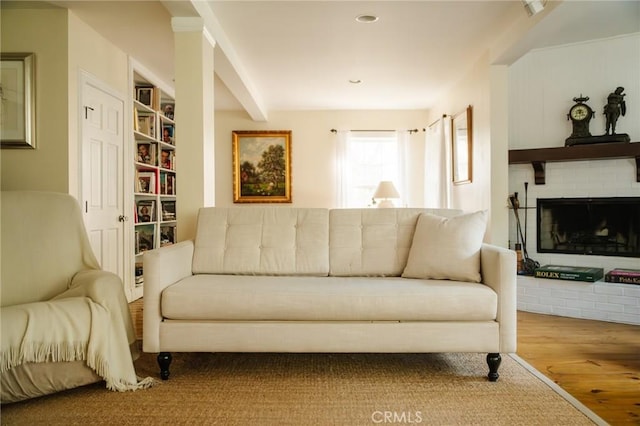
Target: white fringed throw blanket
pixel 70 329
pixel 57 303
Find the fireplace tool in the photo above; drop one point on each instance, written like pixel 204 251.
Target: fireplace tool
pixel 529 265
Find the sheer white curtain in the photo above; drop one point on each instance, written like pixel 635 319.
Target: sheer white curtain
pixel 437 170
pixel 342 165
pixel 403 138
pixel 446 161
pixel 363 160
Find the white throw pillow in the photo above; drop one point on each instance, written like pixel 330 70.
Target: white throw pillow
pixel 447 248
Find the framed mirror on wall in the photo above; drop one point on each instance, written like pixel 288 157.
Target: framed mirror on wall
pixel 462 146
pixel 17 94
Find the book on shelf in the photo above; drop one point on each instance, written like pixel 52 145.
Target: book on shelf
pixel 167 235
pixel 171 184
pixel 157 96
pixel 167 159
pixel 144 238
pixel 163 183
pixel 147 153
pixel 622 272
pixel 167 183
pixel 145 95
pixel 135 120
pixel 146 181
pixel 622 275
pixel 571 273
pixel 167 134
pixel 146 124
pixel 146 211
pixel 168 210
pixel 168 109
pixel 139 278
pixel 624 279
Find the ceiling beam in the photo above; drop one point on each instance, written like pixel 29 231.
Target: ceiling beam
pixel 228 67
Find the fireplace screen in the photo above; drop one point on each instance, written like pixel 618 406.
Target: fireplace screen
pixel 594 226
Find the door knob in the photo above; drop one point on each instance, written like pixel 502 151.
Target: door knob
pixel 122 218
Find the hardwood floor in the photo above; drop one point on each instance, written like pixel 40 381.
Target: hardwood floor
pixel 596 362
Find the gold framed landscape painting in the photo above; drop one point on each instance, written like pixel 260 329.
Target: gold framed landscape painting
pixel 261 166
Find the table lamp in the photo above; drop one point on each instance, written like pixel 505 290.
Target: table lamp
pixel 385 192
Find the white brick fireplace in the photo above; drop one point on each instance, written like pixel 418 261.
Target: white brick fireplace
pixel 600 300
pixel 542 85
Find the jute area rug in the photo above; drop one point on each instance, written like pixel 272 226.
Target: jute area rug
pixel 312 389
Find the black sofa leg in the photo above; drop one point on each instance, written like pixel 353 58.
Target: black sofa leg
pixel 164 361
pixel 494 363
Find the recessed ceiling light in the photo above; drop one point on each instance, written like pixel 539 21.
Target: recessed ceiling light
pixel 355 81
pixel 367 19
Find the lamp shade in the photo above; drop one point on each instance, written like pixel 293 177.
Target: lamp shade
pixel 385 191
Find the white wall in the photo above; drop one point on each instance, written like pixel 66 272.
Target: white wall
pixel 141 29
pixel 544 82
pixel 541 88
pixel 92 53
pixel 313 149
pixel 43 32
pixel 475 90
pixel 472 90
pixel 63 45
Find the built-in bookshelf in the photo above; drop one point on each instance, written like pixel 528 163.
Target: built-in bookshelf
pixel 154 172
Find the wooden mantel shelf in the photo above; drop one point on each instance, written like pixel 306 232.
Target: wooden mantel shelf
pixel 539 157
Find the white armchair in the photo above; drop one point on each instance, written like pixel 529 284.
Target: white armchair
pixel 65 322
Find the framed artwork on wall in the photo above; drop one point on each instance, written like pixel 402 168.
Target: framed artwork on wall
pixel 261 166
pixel 462 146
pixel 17 94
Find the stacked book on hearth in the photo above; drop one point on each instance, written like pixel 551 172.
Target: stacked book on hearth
pixel 571 273
pixel 620 275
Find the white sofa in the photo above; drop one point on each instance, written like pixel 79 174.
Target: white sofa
pixel 283 279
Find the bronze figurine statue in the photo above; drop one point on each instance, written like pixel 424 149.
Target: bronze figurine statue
pixel 580 114
pixel 615 107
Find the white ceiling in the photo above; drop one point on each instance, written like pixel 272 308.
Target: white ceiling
pixel 300 55
pixel 297 55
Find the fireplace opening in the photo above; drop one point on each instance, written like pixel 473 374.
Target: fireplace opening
pixel 593 226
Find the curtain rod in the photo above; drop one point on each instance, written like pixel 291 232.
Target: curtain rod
pixel 377 130
pixel 443 116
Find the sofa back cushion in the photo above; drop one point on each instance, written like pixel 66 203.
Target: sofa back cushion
pixel 373 242
pixel 262 241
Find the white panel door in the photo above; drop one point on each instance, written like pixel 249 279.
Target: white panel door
pixel 102 175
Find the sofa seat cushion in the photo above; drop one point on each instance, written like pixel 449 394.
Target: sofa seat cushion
pixel 303 298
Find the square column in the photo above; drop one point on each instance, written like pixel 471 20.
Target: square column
pixel 194 115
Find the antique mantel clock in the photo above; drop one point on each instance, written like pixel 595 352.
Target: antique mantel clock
pixel 580 115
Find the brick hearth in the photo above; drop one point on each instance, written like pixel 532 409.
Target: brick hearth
pixel 599 301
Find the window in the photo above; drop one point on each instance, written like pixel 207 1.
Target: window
pixel 367 159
